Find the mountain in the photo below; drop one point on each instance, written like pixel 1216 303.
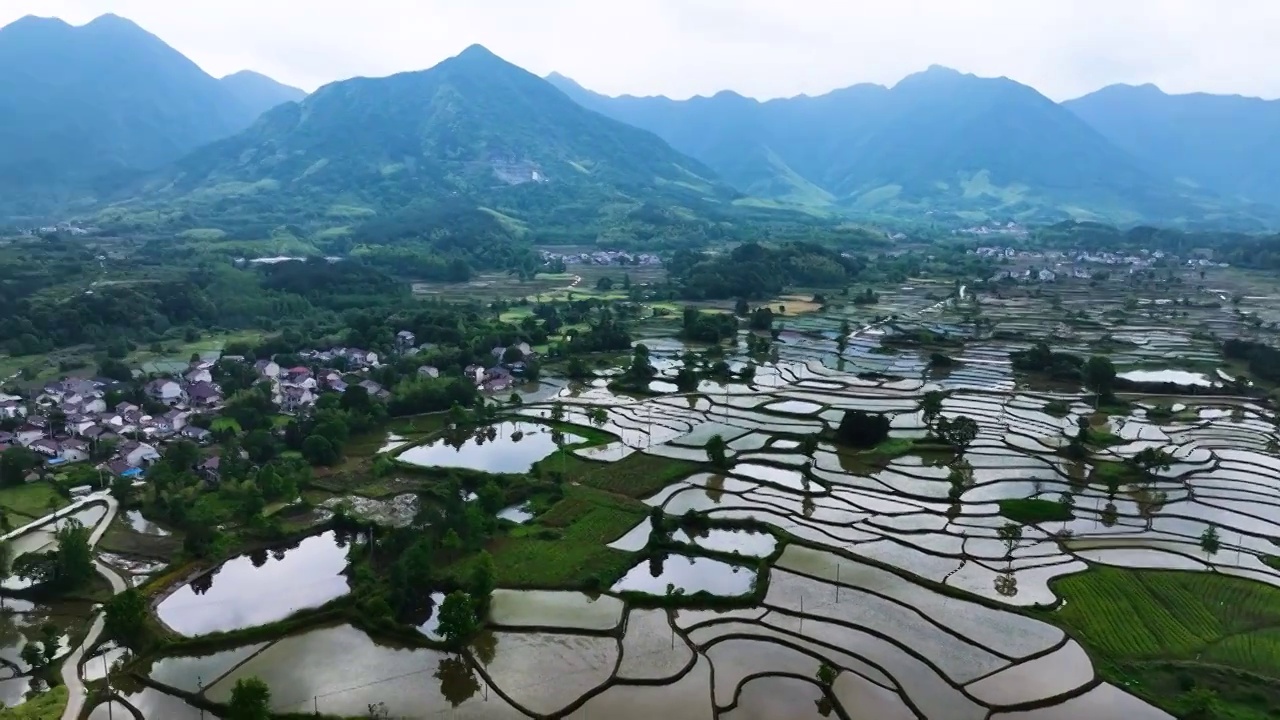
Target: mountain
pixel 258 93
pixel 473 129
pixel 939 142
pixel 78 104
pixel 1223 142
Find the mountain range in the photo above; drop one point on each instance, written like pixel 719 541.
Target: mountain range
pixel 84 105
pixel 945 142
pixel 113 117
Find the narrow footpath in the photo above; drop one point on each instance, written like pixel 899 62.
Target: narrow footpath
pixel 71 665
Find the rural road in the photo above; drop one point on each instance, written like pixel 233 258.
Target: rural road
pixel 71 665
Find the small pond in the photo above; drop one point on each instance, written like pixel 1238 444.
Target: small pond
pixel 259 588
pixel 518 514
pixel 508 447
pixel 688 574
pixel 142 525
pixel 1176 377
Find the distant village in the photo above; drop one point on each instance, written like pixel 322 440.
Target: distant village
pixel 73 420
pixel 602 257
pixel 1050 265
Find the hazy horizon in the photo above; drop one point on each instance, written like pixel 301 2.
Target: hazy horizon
pixel 683 48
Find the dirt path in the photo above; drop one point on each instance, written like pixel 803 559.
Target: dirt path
pixel 71 665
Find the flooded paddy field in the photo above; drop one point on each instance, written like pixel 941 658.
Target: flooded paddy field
pixel 1018 575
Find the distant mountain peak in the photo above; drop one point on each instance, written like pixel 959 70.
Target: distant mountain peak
pixel 110 21
pixel 477 53
pixel 28 23
pixel 558 79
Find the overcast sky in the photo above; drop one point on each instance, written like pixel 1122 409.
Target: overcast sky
pixel 762 48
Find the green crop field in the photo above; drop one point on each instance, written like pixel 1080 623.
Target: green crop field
pixel 1161 633
pixel 1132 614
pixel 32 501
pixel 565 548
pixel 637 476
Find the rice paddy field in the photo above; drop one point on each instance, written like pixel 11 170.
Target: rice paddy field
pixel 848 583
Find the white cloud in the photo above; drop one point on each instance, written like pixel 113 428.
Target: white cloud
pixel 763 48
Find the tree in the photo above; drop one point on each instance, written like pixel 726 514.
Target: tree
pixel 67 568
pixel 1099 376
pixel 717 452
pixel 15 463
pixel 931 407
pixel 250 700
pixel 809 444
pixel 484 579
pixel 115 370
pixel 863 430
pixel 458 621
pixel 33 654
pixel 960 477
pixel 827 675
pixel 319 451
pixel 960 432
pixel 1199 703
pixel 1209 541
pixel 125 617
pixel 412 571
pixel 1150 461
pixel 1010 534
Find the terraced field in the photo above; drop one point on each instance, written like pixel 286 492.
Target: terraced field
pixel 837 583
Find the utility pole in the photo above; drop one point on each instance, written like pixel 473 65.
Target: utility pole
pixel 106 669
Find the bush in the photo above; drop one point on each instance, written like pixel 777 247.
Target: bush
pixel 1032 511
pixel 862 430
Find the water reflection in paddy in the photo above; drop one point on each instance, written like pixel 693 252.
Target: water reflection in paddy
pixel 689 575
pixel 142 525
pixel 259 588
pixel 508 447
pixel 741 542
pixel 518 514
pixel 1177 377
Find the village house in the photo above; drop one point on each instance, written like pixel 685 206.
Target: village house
pixel 209 470
pixel 297 375
pixel 294 399
pixel 74 450
pixel 46 447
pixel 405 340
pixel 166 391
pixel 28 433
pixel 197 434
pixel 12 408
pixel 375 390
pixel 429 371
pixel 176 419
pixel 204 394
pixel 269 369
pixel 198 374
pixel 138 454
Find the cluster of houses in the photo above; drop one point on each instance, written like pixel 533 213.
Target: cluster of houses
pixel 296 389
pixel 505 372
pixel 1009 228
pixel 68 421
pixel 603 257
